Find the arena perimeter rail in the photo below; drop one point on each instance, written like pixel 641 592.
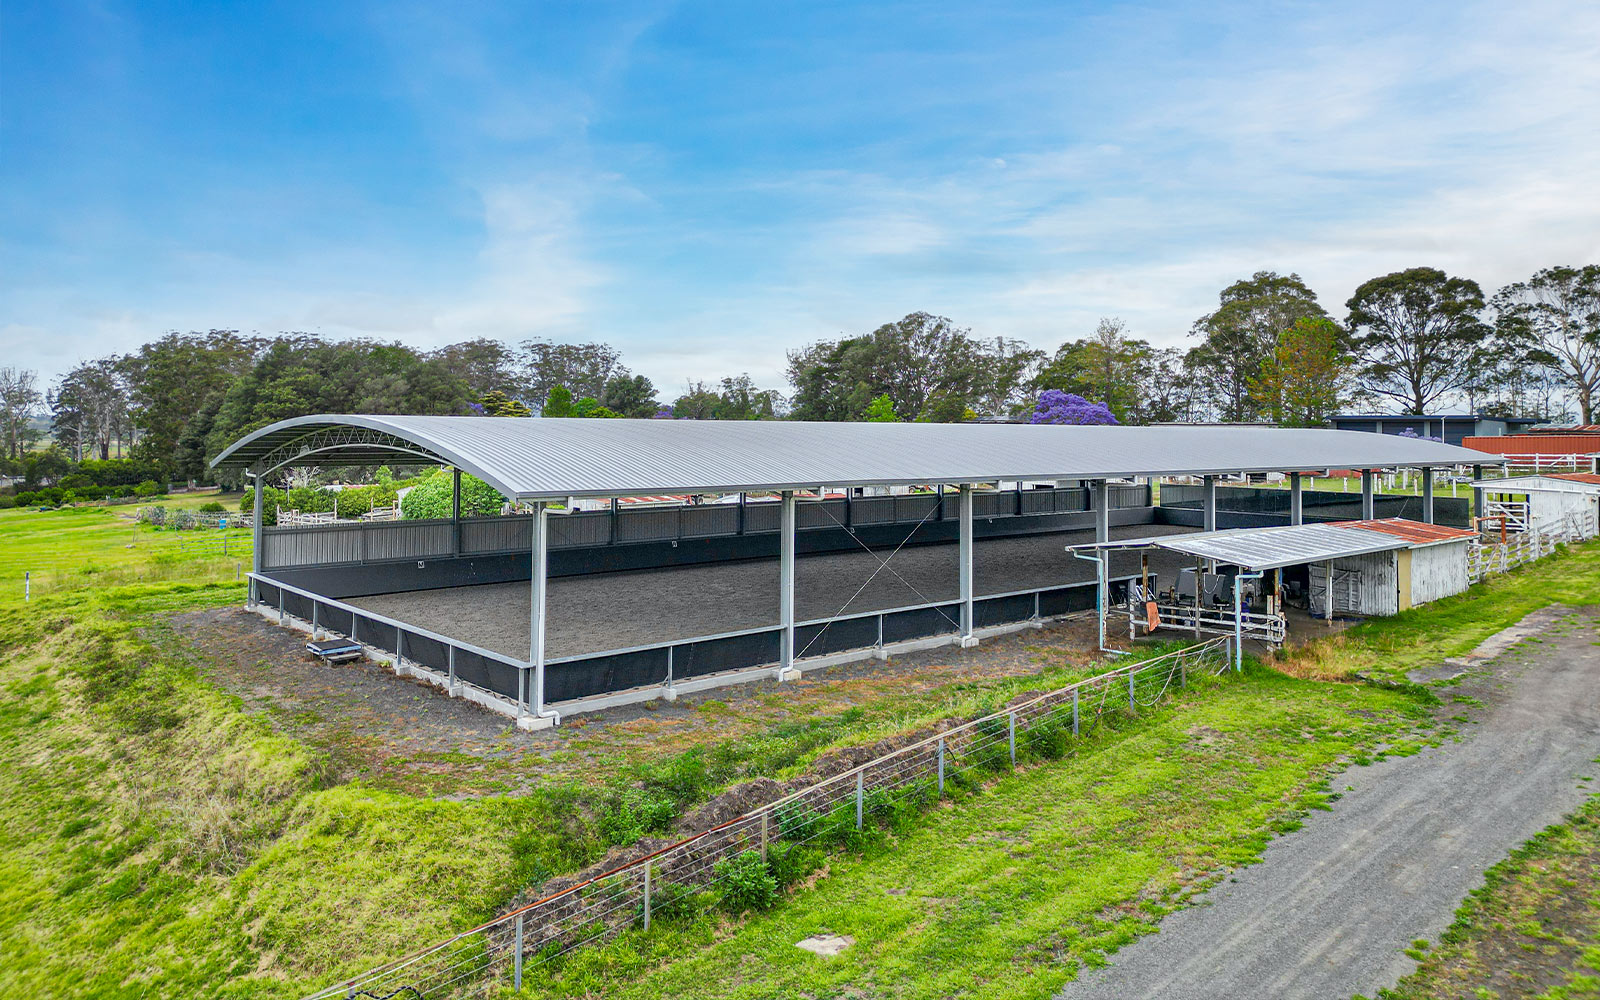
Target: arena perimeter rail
pixel 499 953
pixel 453 663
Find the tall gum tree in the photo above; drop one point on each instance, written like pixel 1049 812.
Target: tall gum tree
pixel 1417 335
pixel 1553 320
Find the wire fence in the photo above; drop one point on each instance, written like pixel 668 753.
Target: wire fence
pixel 501 953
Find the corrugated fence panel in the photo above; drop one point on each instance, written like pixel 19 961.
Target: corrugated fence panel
pixel 819 513
pixel 710 520
pixel 496 534
pixel 872 510
pixel 408 540
pixel 762 517
pixel 574 530
pixel 649 525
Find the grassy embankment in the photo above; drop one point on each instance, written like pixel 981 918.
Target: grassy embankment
pixel 1533 930
pixel 161 842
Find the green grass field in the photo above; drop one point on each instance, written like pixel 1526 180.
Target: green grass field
pixel 162 841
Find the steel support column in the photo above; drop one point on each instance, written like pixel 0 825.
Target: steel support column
pixel 1297 506
pixel 257 534
pixel 1366 495
pixel 1102 510
pixel 536 605
pixel 1208 503
pixel 967 638
pixel 786 584
pixel 455 511
pixel 1427 496
pixel 1477 492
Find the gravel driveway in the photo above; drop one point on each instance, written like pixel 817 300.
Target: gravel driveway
pixel 1330 908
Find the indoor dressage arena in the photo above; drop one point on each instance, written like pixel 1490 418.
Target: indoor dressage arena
pixel 784 546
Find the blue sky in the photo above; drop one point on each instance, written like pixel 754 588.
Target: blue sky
pixel 705 185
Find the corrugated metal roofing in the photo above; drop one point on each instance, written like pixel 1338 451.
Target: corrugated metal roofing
pixel 1295 545
pixel 1536 444
pixel 530 458
pixel 1415 532
pixel 1270 548
pixel 1549 482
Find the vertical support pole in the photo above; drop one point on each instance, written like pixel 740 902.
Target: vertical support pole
pixel 516 968
pixel 1427 495
pixel 1328 600
pixel 616 513
pixel 280 606
pixel 399 640
pixel 1477 492
pixel 941 767
pixel 786 584
pixel 254 590
pixel 455 511
pixel 316 630
pixel 1297 508
pixel 647 868
pixel 537 585
pixel 1199 589
pixel 764 816
pixel 966 566
pixel 1208 503
pixel 1131 706
pixel 1011 737
pixel 450 658
pixel 1238 619
pixel 1102 510
pixel 670 664
pixel 1366 495
pixel 860 796
pixel 1074 711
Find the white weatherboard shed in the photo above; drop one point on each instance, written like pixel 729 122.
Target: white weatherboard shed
pixel 1552 498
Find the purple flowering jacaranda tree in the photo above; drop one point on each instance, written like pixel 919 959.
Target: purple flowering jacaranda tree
pixel 1058 407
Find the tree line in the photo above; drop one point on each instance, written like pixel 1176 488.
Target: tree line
pixel 1269 351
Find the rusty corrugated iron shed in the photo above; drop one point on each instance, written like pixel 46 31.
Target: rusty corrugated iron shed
pixel 1415 532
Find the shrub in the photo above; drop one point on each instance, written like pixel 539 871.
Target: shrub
pixel 183 519
pixel 7 502
pixel 1048 738
pixel 431 497
pixel 633 814
pixel 154 515
pixel 790 863
pixel 148 488
pixel 747 883
pixel 271 500
pixel 212 508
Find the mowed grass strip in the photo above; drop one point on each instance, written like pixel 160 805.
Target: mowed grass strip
pixel 1533 930
pixel 1007 892
pixel 1387 648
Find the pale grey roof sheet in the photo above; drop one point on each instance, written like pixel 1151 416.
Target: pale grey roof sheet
pixel 531 458
pixel 1535 484
pixel 1269 548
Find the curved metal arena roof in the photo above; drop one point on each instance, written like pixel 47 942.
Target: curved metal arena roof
pixel 535 459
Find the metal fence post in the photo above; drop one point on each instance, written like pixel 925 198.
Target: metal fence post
pixel 647 897
pixel 1131 675
pixel 516 969
pixel 399 644
pixel 1074 711
pixel 450 656
pixel 280 605
pixel 1011 737
pixel 316 631
pixel 860 781
pixel 941 766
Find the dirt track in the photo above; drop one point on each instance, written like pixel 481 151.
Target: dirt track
pixel 1329 910
pixel 617 610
